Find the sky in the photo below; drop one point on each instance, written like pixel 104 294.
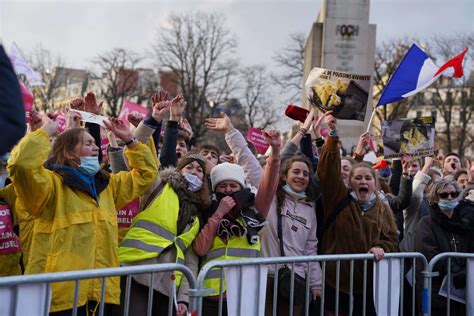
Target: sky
pixel 80 30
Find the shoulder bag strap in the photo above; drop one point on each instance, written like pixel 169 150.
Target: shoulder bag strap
pixel 153 194
pixel 280 234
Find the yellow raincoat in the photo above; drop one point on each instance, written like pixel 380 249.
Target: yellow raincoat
pixel 71 231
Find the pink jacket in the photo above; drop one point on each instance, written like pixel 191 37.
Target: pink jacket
pixel 299 235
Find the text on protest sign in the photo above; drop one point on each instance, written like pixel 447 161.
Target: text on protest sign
pixel 255 136
pixel 413 136
pixel 130 107
pixel 344 94
pixel 9 242
pixel 127 213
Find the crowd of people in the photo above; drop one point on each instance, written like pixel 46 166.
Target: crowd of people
pixel 61 199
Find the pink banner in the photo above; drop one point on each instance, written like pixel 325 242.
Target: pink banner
pixel 9 242
pixel 103 146
pixel 130 107
pixel 28 98
pixel 255 136
pixel 127 213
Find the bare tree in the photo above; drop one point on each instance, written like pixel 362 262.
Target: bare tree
pixel 256 97
pixel 453 98
pixel 199 49
pixel 291 61
pixel 120 77
pixel 43 61
pixel 148 83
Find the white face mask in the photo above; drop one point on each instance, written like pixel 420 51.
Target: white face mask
pixel 194 183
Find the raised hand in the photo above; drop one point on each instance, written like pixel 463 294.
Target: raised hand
pixel 406 160
pixel 317 126
pixel 36 121
pixel 362 144
pixel 184 124
pixel 49 126
pixel 112 140
pixel 309 120
pixel 160 105
pixel 135 118
pixel 119 128
pixel 73 119
pixel 330 120
pixel 90 104
pixel 77 104
pixel 273 139
pixel 222 124
pixel 176 108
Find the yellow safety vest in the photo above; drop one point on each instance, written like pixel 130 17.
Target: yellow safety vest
pixel 236 248
pixel 154 229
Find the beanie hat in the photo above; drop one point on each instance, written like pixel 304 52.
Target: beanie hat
pixel 227 171
pixel 189 158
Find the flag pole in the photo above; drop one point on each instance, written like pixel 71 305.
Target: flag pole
pixel 371 119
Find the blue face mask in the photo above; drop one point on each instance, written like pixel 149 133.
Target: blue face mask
pixel 447 206
pixel 290 191
pixel 89 165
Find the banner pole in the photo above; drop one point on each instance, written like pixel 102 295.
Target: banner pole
pixel 371 119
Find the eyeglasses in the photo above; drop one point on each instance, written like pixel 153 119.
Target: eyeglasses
pixel 444 195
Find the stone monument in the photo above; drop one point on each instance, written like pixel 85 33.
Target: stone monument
pixel 342 39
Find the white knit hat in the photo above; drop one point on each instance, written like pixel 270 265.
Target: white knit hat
pixel 227 171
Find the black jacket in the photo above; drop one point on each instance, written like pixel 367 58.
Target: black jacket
pixel 436 234
pixel 12 114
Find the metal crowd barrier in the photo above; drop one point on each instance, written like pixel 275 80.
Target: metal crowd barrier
pixel 198 291
pixel 430 273
pixel 210 268
pixel 77 276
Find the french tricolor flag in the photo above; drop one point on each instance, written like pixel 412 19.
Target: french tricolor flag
pixel 416 72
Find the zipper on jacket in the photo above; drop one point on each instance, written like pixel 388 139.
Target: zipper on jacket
pixel 454 242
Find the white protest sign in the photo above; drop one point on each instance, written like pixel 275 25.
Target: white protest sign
pixel 91 117
pixel 242 290
pixel 31 299
pixel 386 298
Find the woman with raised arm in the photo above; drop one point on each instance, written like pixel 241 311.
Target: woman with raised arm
pixel 75 206
pixel 363 224
pixel 231 227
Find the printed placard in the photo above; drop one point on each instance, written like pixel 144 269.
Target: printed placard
pixel 127 213
pixel 413 136
pixel 91 117
pixel 130 107
pixel 9 242
pixel 344 94
pixel 255 136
